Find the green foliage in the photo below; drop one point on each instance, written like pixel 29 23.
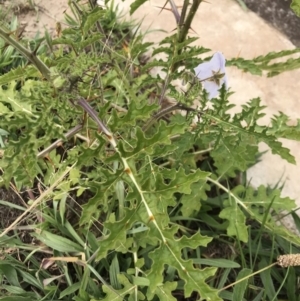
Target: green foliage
pixel 135 5
pixel 295 6
pixel 260 64
pixel 136 202
pixel 9 56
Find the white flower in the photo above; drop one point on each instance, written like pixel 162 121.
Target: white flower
pixel 212 74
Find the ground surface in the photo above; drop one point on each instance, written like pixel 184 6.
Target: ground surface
pixel 36 16
pixel 45 13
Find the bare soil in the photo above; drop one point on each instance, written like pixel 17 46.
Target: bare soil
pixel 37 15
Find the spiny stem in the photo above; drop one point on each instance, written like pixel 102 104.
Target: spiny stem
pixel 31 57
pixel 183 13
pixel 185 27
pixel 188 21
pixel 175 11
pixel 99 27
pixel 163 112
pixel 87 107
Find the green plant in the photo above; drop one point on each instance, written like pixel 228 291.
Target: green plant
pixel 242 4
pixel 128 201
pixel 295 6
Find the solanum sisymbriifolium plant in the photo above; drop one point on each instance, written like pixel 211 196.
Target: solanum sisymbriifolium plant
pixel 130 197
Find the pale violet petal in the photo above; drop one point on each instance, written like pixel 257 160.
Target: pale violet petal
pixel 218 61
pixel 218 65
pixel 203 71
pixel 211 88
pixel 208 69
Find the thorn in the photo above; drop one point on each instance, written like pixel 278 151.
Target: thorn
pixel 162 8
pixel 174 10
pixel 19 32
pixel 37 47
pixel 194 31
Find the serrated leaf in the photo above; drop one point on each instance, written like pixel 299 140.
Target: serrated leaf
pixel 277 68
pixel 245 65
pixel 278 149
pixel 167 50
pixel 251 112
pixel 261 197
pixel 4 109
pixel 254 203
pixel 19 74
pixel 128 289
pixel 275 55
pixel 183 145
pixel 134 114
pixel 116 239
pixel 135 5
pixel 281 129
pixel 236 220
pixel 164 292
pixel 12 97
pixel 89 41
pixel 145 145
pixel 192 202
pixel 92 18
pixel 160 195
pixel 103 190
pixel 180 182
pixel 263 63
pixel 170 254
pixel 232 154
pixel 238 142
pixel 154 63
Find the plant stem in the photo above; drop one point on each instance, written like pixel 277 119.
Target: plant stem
pixel 247 277
pixel 30 56
pixel 92 113
pixel 184 26
pixel 188 21
pixel 175 11
pixel 54 145
pixel 183 13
